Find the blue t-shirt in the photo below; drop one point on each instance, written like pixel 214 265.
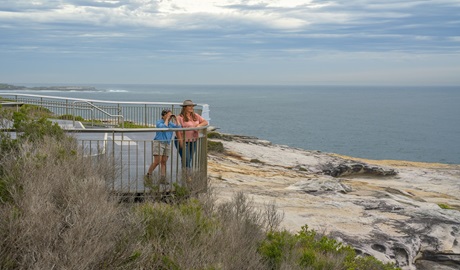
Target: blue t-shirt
pixel 164 136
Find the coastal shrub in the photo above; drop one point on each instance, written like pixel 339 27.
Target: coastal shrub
pixel 59 213
pixel 29 129
pixel 219 136
pixel 129 124
pixel 34 128
pixel 369 263
pixel 216 147
pixel 277 247
pixel 71 117
pixel 214 135
pixel 198 234
pixel 35 111
pixel 309 250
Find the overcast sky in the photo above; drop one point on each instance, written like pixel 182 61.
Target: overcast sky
pixel 354 42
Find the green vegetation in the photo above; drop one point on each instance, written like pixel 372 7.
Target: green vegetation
pixel 214 135
pixel 56 212
pixel 216 147
pixel 4 86
pixel 31 123
pixel 220 136
pixel 129 124
pixel 445 206
pixel 71 117
pixel 312 251
pixel 255 160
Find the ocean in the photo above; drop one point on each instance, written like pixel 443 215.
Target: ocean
pixel 401 123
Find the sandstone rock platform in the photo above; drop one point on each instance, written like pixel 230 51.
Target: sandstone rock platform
pixel 398 211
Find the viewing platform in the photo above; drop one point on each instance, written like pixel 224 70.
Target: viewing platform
pixel 122 133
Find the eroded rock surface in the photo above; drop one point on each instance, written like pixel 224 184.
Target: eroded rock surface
pixel 388 209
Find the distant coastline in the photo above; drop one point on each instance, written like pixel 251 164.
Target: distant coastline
pixel 4 86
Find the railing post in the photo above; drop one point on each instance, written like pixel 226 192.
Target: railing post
pixel 204 161
pixel 119 113
pixel 113 159
pixel 145 115
pixel 92 117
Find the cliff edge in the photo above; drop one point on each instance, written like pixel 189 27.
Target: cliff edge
pixel 398 211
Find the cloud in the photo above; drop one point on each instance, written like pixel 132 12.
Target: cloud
pixel 228 31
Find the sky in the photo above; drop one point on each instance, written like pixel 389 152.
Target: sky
pixel 306 42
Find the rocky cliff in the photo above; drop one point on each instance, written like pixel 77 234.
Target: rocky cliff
pixel 397 211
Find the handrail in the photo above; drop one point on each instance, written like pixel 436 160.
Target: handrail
pixel 99 109
pixel 138 112
pixel 100 101
pixel 121 130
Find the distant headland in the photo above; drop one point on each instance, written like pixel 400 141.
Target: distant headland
pixel 4 86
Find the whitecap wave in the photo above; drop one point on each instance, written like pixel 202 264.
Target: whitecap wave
pixel 117 91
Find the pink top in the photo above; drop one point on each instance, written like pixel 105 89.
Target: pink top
pixel 191 135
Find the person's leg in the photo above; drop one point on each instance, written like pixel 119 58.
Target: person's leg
pixel 163 161
pixel 191 149
pixel 156 152
pixel 156 161
pixel 179 149
pixel 187 154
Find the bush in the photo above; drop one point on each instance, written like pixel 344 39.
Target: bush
pixel 308 250
pixel 59 213
pixel 30 127
pixel 55 209
pixel 214 135
pixel 128 124
pixel 198 235
pixel 216 147
pixel 71 117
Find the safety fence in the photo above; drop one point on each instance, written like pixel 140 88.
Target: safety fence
pixel 99 112
pixel 100 127
pixel 131 155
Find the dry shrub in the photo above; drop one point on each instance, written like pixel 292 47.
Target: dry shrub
pixel 199 234
pixel 60 214
pixel 243 227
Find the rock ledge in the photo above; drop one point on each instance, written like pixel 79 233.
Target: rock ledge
pixel 388 209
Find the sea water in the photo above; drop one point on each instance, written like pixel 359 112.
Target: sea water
pixel 404 123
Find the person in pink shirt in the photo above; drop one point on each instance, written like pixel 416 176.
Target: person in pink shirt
pixel 188 119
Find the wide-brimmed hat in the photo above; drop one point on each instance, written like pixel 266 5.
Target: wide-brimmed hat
pixel 188 102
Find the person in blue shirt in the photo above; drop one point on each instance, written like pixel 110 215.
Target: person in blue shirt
pixel 162 144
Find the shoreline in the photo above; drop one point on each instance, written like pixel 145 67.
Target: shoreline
pixel 382 162
pixel 44 88
pixel 401 163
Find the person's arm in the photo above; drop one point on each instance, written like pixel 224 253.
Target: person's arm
pixel 202 122
pixel 179 134
pixel 161 124
pixel 172 125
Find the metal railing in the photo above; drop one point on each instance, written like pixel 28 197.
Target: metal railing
pixel 105 113
pixel 130 150
pixel 131 157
